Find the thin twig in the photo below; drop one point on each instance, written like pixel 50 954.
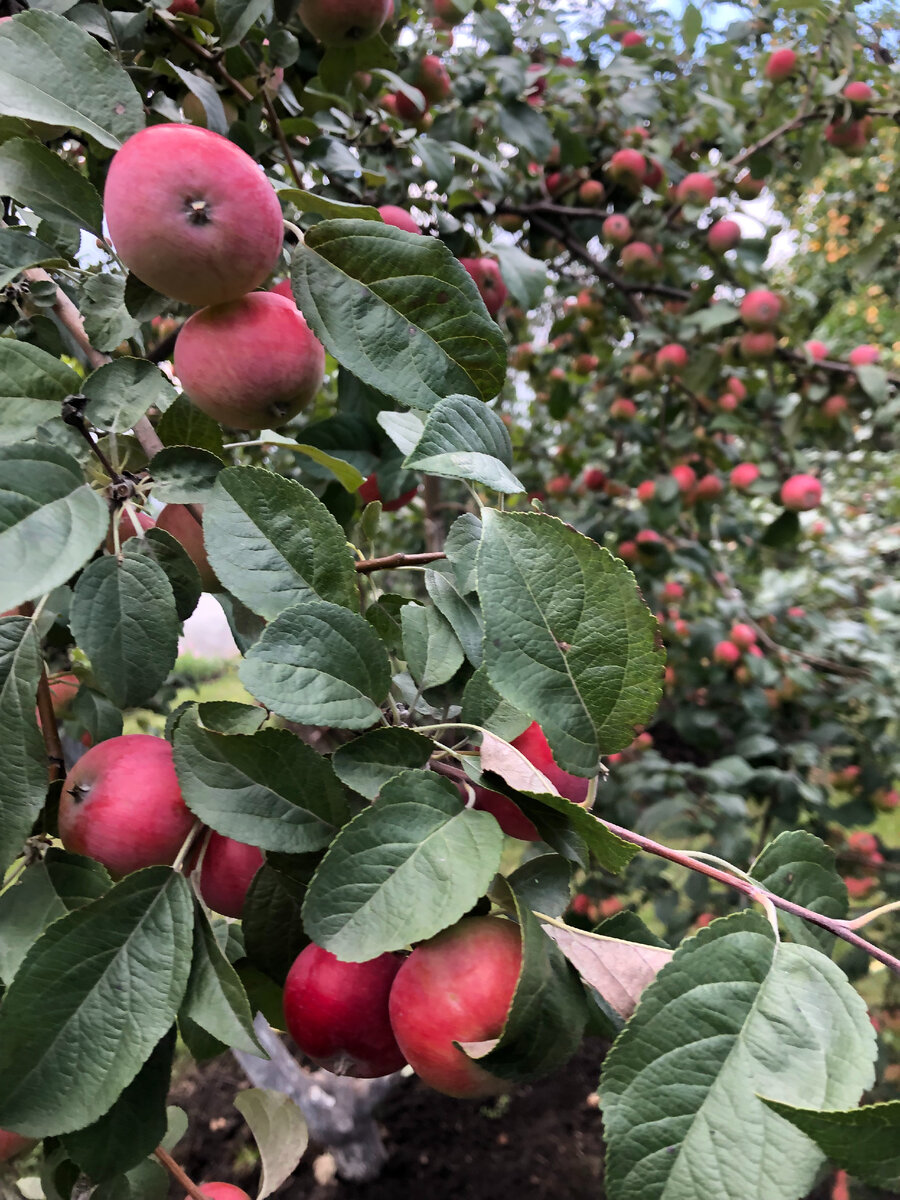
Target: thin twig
pixel 178 1174
pixel 367 565
pixel 275 124
pixel 56 763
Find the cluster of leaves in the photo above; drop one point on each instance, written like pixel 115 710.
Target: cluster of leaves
pixel 525 619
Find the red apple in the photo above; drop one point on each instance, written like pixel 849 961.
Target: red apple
pixel 457 987
pixel 747 187
pixel 639 259
pixel 488 280
pixel 507 813
pixel 534 745
pixel 697 189
pixel 337 1012
pixel 743 475
pixel 591 193
pixel 834 407
pixel 671 359
pixel 121 804
pixel 864 356
pixel 726 653
pixel 432 79
pixel 627 167
pixel 250 364
pixel 616 229
pixel 411 109
pixel 344 22
pixel 391 214
pixel 12 1144
pixel 646 490
pixel 622 409
pixel 189 7
pixel 222 1191
pixel 723 235
pixel 177 520
pixel 594 479
pixel 849 136
pixel 743 636
pixel 685 477
pixel 801 493
pixel 727 402
pixel 628 551
pixel 817 351
pixel 370 491
pixel 710 487
pixel 191 214
pixel 227 871
pixel 755 346
pixel 761 309
pixel 672 592
pixel 859 94
pixel 126 528
pixel 446 11
pixel 780 65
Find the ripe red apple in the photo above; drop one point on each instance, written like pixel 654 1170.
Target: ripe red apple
pixel 727 402
pixel 684 476
pixel 534 745
pixel 250 364
pixel 121 804
pixel 457 987
pixel 622 409
pixel 859 94
pixel 446 11
pixel 639 259
pixel 850 136
pixel 817 351
pixel 585 364
pixel 189 7
pixel 177 520
pixel 864 356
pixel 191 214
pixel 227 871
pixel 594 478
pixel 755 346
pixel 370 491
pixel 671 359
pixel 726 653
pixel 126 528
pixel 222 1191
pixel 628 551
pixel 337 1012
pixel 672 592
pixel 559 485
pixel 591 193
pixel 648 537
pixel 391 214
pixel 506 812
pixel 780 65
pixel 761 309
pixel 747 187
pixel 743 476
pixel 409 109
pixel 646 490
pixel 801 493
pixel 653 176
pixel 723 235
pixel 834 407
pixel 344 22
pixel 632 38
pixel 488 280
pixel 627 167
pixel 697 189
pixel 616 229
pixel 12 1144
pixel 743 635
pixel 709 487
pixel 432 79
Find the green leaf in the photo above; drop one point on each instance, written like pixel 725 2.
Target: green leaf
pixel 585 661
pixel 280 1132
pixel 47 184
pixel 120 392
pixel 368 762
pixel 433 653
pixel 399 311
pixel 51 521
pixel 436 159
pixel 543 884
pixel 107 321
pixel 213 108
pixel 272 543
pixel 147 1181
pixel 548 1014
pixel 691 26
pixel 52 71
pixel 523 125
pixel 864 1141
pixel 19 250
pixel 184 474
pixel 268 788
pixel 326 206
pixel 526 277
pixel 133 1127
pixel 463 540
pixel 733 1015
pixel 319 664
pixel 215 998
pixel 464 439
pixel 93 997
pixel 55 885
pixel 123 617
pixel 33 384
pixel 229 716
pixel 799 866
pixel 23 758
pixel 273 921
pixel 344 472
pixel 184 425
pixel 874 381
pixel 235 18
pixel 403 870
pixel 461 611
pixel 177 564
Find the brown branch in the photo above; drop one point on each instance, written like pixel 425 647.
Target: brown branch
pixel 772 136
pixel 368 565
pixel 56 763
pixel 178 1174
pixel 70 318
pixel 833 366
pixel 839 928
pixel 600 269
pixel 275 125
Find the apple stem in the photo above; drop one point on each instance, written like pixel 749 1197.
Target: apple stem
pixel 178 1174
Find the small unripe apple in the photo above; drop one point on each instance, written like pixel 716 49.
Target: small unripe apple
pixel 251 364
pixel 800 493
pixel 627 167
pixel 594 478
pixel 747 187
pixel 432 79
pixel 616 229
pixel 344 22
pixel 697 189
pixel 755 346
pixel 646 490
pixel 337 1012
pixel 761 309
pixel 488 280
pixel 178 520
pixel 622 409
pixel 671 359
pixel 638 258
pixel 864 356
pixel 684 476
pixel 780 65
pixel 12 1144
pixel 392 214
pixel 370 491
pixel 121 805
pixel 817 351
pixel 743 476
pixel 743 635
pixel 226 873
pixel 726 653
pixel 591 193
pixel 191 214
pixel 457 988
pixel 723 235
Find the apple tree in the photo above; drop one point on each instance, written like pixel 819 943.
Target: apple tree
pixel 482 363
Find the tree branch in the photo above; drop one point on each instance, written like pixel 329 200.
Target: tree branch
pixel 368 565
